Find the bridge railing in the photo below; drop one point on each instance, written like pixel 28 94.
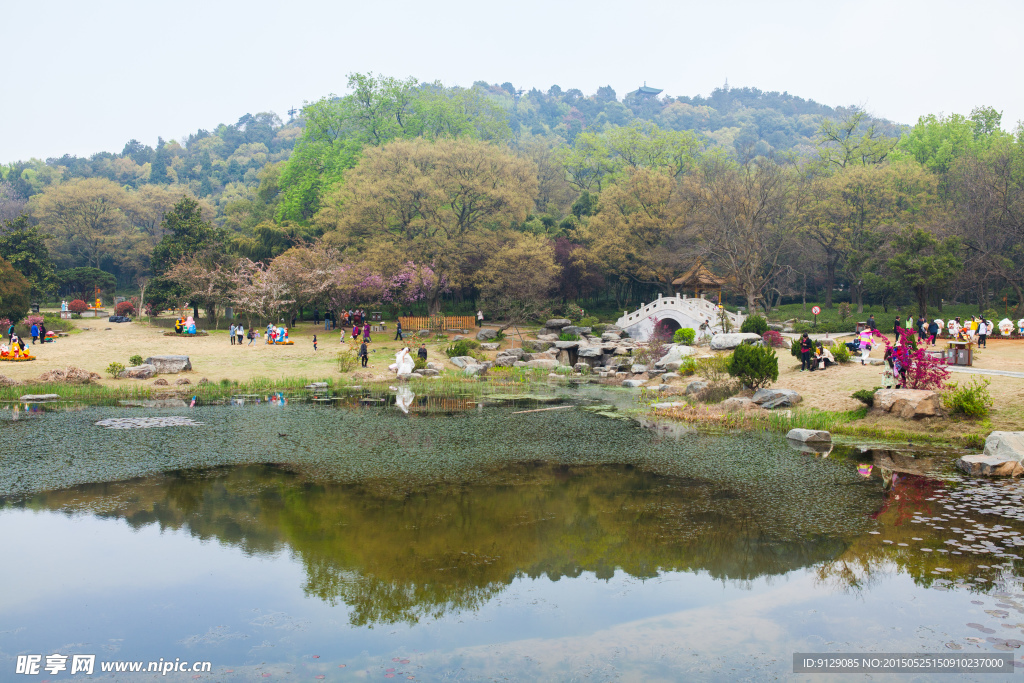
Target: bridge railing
pixel 698 305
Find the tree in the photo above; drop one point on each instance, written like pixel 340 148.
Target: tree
pixel 740 211
pixel 840 212
pixel 924 264
pixel 853 139
pixel 308 272
pixel 84 282
pixel 437 203
pixel 23 247
pixel 256 290
pixel 639 232
pixel 204 281
pixel 516 281
pixel 84 220
pixel 14 293
pixel 12 204
pixel 186 235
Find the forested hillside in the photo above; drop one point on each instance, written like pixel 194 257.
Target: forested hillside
pixel 419 195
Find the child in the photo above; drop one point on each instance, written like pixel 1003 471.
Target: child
pixel 314 342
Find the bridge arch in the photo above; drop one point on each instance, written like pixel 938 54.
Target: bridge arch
pixel 674 312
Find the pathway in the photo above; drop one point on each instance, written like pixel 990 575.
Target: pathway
pixel 984 371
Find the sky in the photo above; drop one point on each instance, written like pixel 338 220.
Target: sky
pixel 87 77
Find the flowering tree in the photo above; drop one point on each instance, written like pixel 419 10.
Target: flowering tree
pixel 258 290
pixel 308 271
pixel 209 283
pixel 916 368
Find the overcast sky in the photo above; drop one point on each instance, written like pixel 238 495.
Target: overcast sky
pixel 82 77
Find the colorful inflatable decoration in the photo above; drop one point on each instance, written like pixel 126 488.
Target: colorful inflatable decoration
pixel 954 327
pixel 1020 327
pixel 281 336
pixel 15 352
pixel 50 336
pixel 190 326
pixel 1006 327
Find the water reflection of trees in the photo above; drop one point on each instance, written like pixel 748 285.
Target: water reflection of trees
pixel 394 554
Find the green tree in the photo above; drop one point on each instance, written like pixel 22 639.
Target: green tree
pixel 853 139
pixel 14 292
pixel 187 234
pixel 82 283
pixel 23 247
pixel 923 263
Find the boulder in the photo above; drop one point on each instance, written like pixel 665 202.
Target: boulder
pixel 668 405
pixel 724 342
pixel 520 364
pixel 314 386
pixel 430 372
pixel 542 363
pixel 431 365
pixel 610 336
pixel 474 370
pixel 1006 445
pixel 423 333
pixel 632 383
pixel 776 398
pixel 166 365
pixel 515 353
pixel 145 371
pixel 462 361
pixel 809 435
pixel 458 337
pixel 504 361
pixel 622 351
pixel 675 354
pixel 39 398
pixel 492 346
pixel 696 387
pixel 557 323
pixel 536 346
pixel 672 367
pixel 638 369
pixel 669 376
pixel 161 383
pixel 572 329
pixel 590 352
pixel 909 403
pixel 486 335
pixel 982 465
pixel 184 381
pixel 566 344
pixel 547 337
pixel 736 403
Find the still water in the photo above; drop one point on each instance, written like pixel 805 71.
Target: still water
pixel 352 539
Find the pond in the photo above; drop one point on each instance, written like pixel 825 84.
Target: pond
pixel 481 539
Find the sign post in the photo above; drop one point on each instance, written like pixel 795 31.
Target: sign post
pixel 816 310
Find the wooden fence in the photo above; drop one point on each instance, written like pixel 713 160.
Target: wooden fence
pixel 437 322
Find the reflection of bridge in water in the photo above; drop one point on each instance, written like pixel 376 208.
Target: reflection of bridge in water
pixel 674 313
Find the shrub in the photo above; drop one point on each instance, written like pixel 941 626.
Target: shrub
pixel 755 366
pixel 688 366
pixel 840 352
pixel 346 362
pixel 774 339
pixel 755 323
pixel 598 329
pixel 135 360
pixel 589 321
pixel 124 308
pixel 865 396
pixel 78 306
pixel 573 312
pixel 684 335
pixel 717 392
pixel 794 347
pixel 4 324
pixel 844 311
pixel 566 336
pixel 463 347
pixel 115 369
pixel 419 364
pixel 972 400
pixel 712 368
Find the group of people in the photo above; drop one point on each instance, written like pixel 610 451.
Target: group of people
pixel 404 363
pixel 814 356
pixel 237 333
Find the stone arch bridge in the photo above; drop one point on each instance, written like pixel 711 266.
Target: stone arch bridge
pixel 674 313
